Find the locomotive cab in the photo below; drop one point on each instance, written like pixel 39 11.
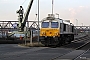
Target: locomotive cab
pixel 50 31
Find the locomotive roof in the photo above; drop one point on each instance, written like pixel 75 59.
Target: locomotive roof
pixel 58 19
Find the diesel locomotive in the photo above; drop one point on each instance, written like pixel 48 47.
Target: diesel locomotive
pixel 56 31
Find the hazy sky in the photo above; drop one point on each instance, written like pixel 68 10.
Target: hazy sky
pixel 67 9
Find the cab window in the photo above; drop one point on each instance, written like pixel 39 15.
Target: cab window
pixel 45 24
pixel 54 24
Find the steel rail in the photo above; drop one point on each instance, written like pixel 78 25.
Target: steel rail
pixel 78 48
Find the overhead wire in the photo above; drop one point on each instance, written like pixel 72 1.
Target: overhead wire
pixel 36 10
pixel 23 2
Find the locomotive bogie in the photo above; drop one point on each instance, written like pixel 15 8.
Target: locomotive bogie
pixel 63 39
pixel 49 41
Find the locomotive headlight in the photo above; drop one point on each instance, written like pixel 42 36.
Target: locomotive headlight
pixel 43 33
pixel 56 34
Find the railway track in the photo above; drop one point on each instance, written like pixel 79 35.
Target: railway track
pixel 77 43
pixel 76 50
pixel 79 46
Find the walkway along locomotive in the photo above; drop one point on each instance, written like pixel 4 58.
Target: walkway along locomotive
pixel 56 31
